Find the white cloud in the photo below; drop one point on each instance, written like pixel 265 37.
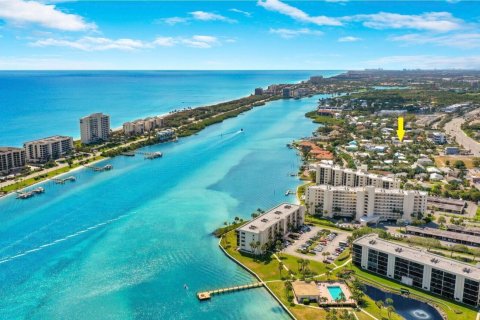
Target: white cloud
pixel 460 40
pixel 297 14
pixel 426 62
pixel 291 33
pixel 50 63
pixel 103 44
pixel 174 20
pixel 430 21
pixel 210 16
pixel 349 39
pixel 245 13
pixel 26 12
pixel 200 41
pixel 93 44
pixel 165 41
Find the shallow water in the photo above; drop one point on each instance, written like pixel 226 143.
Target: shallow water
pixel 122 244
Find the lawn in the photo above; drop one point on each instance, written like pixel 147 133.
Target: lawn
pixel 267 267
pixel 440 161
pixel 450 308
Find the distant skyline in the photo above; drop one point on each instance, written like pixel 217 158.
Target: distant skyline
pixel 244 35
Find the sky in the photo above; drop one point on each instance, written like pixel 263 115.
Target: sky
pixel 239 35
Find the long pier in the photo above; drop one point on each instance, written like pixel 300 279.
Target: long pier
pixel 150 155
pixel 205 295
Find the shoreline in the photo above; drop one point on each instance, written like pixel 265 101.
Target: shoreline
pixel 192 127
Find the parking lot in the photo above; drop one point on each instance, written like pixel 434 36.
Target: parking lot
pixel 326 243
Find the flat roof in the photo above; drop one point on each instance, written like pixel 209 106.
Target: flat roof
pixel 356 189
pixel 445 233
pixel 456 202
pixel 358 172
pixel 302 288
pixel 50 139
pixel 269 218
pixel 420 256
pixel 6 149
pixel 463 229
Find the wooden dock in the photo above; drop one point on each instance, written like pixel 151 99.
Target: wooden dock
pixel 62 181
pixel 205 295
pixel 98 169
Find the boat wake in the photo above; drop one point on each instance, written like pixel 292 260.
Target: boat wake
pixel 57 241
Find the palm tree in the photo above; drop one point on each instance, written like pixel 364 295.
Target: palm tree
pixel 389 301
pixel 300 265
pixel 280 268
pixel 264 248
pixel 253 245
pixel 390 310
pixel 258 244
pixel 379 304
pixel 306 262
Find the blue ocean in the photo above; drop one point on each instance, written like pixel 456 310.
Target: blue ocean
pixel 121 244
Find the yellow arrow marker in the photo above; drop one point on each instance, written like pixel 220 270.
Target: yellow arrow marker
pixel 400 131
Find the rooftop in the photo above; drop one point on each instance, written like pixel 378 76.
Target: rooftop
pixel 356 189
pixel 419 256
pixel 269 218
pixel 6 149
pixel 50 139
pixel 445 234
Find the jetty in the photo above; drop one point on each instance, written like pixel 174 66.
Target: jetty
pixel 62 181
pixel 104 168
pixel 29 194
pixel 206 295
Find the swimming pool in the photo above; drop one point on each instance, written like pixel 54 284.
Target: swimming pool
pixel 335 292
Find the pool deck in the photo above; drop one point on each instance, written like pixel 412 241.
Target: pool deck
pixel 324 292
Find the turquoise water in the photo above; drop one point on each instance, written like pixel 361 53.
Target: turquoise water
pixel 122 244
pixel 37 104
pixel 335 292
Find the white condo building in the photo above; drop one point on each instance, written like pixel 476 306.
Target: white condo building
pixel 338 176
pixel 11 159
pixel 365 203
pixel 448 278
pixel 46 149
pixel 142 125
pixel 266 228
pixel 94 128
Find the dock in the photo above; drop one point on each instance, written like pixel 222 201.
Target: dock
pixel 206 295
pixel 151 155
pixel 28 194
pixel 62 181
pixel 99 169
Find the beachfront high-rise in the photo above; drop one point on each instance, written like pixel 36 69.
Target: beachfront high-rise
pixel 95 128
pixel 365 203
pixel 448 278
pixel 46 149
pixel 11 159
pixel 267 227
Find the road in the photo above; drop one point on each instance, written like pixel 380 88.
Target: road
pixel 454 129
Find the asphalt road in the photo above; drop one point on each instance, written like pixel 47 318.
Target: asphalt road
pixel 453 128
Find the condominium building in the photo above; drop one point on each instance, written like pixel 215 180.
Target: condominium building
pixel 338 176
pixel 269 226
pixel 11 159
pixel 445 277
pixel 46 149
pixel 444 235
pixel 365 203
pixel 142 125
pixel 95 128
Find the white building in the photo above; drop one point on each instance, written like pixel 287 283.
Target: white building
pixel 95 128
pixel 445 277
pixel 267 227
pixel 338 176
pixel 365 203
pixel 439 138
pixel 46 149
pixel 142 125
pixel 11 159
